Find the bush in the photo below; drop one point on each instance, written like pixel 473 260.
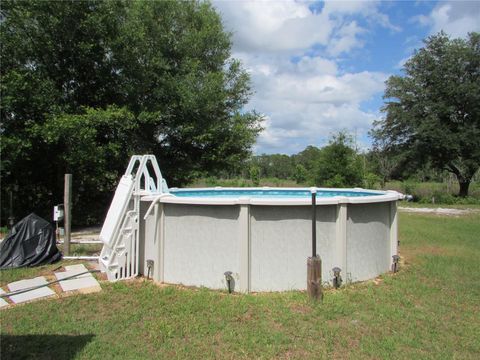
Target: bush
pixel 408 187
pixel 300 174
pixel 370 180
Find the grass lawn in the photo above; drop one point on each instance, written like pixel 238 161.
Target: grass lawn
pixel 430 309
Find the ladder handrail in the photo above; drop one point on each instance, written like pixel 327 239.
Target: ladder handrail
pixel 152 185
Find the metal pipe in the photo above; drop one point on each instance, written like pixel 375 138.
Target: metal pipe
pixel 396 260
pixel 229 278
pixel 81 257
pixel 82 242
pixel 149 268
pixel 314 222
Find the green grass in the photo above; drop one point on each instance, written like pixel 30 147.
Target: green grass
pixel 83 249
pixel 429 310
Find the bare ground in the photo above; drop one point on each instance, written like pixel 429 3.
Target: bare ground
pixel 438 211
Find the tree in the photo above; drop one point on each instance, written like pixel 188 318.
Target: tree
pixel 94 145
pixel 301 174
pixel 338 165
pixel 279 166
pixel 433 111
pixel 308 158
pixel 161 73
pixel 255 175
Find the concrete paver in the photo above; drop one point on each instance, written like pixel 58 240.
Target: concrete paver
pixel 85 283
pixel 33 294
pixel 2 301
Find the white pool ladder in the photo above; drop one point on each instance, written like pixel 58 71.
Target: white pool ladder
pixel 120 253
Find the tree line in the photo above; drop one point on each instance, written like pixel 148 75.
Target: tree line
pixel 337 164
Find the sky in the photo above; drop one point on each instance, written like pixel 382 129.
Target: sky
pixel 320 67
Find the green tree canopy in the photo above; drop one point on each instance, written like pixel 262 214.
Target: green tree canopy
pixel 308 157
pixel 123 77
pixel 433 110
pixel 338 164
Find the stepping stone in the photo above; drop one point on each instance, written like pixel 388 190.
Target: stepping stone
pixel 33 294
pixel 2 300
pixel 85 283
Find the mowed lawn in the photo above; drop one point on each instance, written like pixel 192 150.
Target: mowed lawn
pixel 430 309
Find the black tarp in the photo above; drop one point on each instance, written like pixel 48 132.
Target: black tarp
pixel 30 242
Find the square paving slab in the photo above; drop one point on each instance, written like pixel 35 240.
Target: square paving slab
pixel 33 294
pixel 85 283
pixel 2 300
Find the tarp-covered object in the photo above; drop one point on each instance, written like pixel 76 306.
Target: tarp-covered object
pixel 31 242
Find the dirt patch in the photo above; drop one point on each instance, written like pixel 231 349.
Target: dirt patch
pixel 411 253
pixel 301 309
pixel 438 211
pixel 295 353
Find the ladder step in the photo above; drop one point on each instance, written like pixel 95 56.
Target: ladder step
pixel 106 263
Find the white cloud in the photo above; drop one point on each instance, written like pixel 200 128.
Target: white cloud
pixel 367 9
pixel 456 18
pixel 346 39
pixel 314 123
pixel 274 25
pixel 291 53
pixel 305 102
pixel 292 26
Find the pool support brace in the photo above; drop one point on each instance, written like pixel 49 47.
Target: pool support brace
pixel 314 263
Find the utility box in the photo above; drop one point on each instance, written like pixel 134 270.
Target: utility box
pixel 58 213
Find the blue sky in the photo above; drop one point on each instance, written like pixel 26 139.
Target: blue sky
pixel 319 67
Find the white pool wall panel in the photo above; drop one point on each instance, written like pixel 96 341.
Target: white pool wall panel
pixel 202 243
pixel 368 245
pixel 281 242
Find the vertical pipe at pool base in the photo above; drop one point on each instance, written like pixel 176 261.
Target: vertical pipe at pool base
pixel 314 222
pixel 314 263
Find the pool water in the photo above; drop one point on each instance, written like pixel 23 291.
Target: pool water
pixel 270 193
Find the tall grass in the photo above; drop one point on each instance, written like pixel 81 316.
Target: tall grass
pixel 434 192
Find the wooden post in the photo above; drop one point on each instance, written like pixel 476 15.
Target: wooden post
pixel 314 278
pixel 67 201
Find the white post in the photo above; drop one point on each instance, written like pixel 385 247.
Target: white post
pixel 393 231
pixel 244 228
pixel 341 239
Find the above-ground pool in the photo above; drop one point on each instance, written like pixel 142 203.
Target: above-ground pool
pixel 263 236
pixel 266 192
